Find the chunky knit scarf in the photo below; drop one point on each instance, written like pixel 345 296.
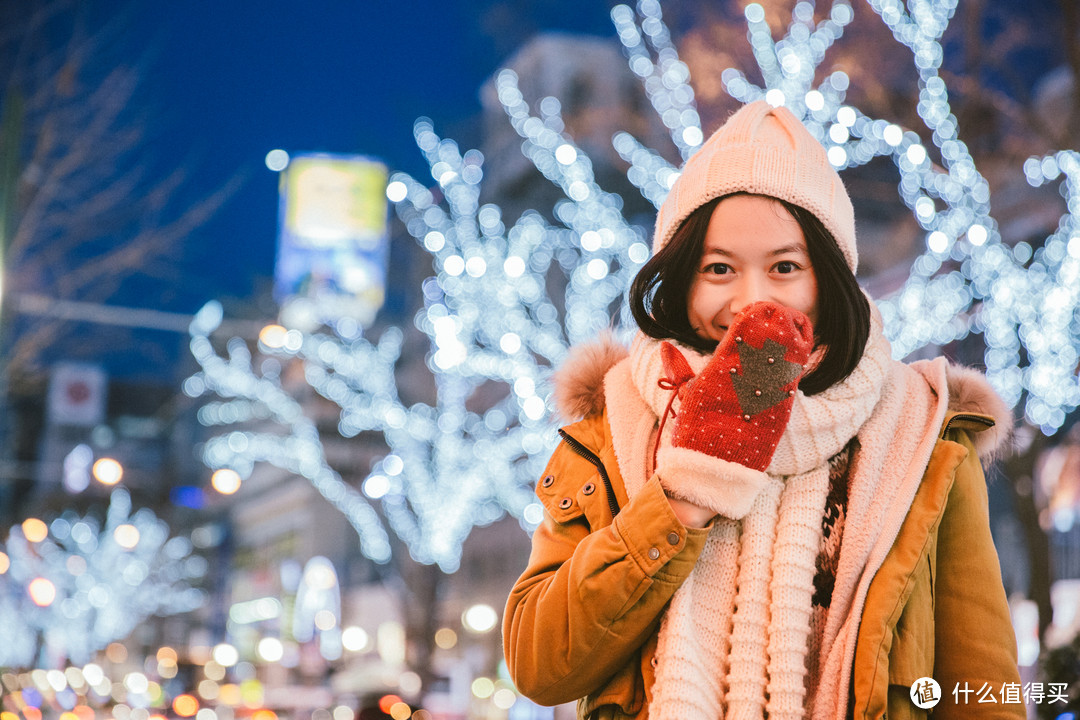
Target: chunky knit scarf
pixel 734 640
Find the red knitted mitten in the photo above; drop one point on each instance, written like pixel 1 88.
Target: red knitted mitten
pixel 736 409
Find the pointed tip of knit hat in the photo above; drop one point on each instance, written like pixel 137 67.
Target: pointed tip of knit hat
pixel 762 150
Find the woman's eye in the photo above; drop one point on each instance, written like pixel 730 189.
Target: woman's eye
pixel 786 266
pixel 717 269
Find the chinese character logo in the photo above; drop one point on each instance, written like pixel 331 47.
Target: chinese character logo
pixel 925 693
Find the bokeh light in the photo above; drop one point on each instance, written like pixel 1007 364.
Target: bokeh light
pixel 270 649
pixel 277 160
pixel 107 471
pixel 225 480
pixel 185 705
pixel 42 592
pixel 34 530
pixel 445 638
pixel 354 639
pixel 226 655
pixel 126 536
pixel 480 618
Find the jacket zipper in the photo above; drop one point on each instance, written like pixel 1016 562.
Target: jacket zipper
pixel 592 457
pixel 974 418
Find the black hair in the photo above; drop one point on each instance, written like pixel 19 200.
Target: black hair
pixel 658 295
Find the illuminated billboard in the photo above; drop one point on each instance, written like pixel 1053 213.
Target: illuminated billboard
pixel 331 259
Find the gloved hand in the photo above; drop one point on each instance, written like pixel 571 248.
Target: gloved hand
pixel 736 409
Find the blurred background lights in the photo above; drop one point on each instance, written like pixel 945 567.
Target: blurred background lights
pixel 410 683
pixel 214 670
pixel 225 480
pixel 5 563
pixel 253 611
pixel 208 689
pixel 270 649
pixel 446 638
pixel 273 336
pixel 355 639
pixel 77 468
pixel 937 241
pixel 480 618
pixel 375 486
pixel 277 160
pixel 42 591
pixel 226 655
pixel 565 154
pixel 325 620
pixel 504 698
pixel 893 135
pixel 483 687
pixel 977 234
pixel 93 674
pixel 126 536
pixel 185 705
pixel 34 530
pixel 396 191
pixel 775 97
pixel 388 701
pixel 136 682
pixel 116 653
pixel 107 471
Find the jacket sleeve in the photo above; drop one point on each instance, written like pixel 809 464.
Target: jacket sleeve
pixel 590 597
pixel 975 645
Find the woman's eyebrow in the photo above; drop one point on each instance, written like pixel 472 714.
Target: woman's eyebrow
pixel 797 248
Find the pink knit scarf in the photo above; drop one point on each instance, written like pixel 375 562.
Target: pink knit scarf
pixel 734 640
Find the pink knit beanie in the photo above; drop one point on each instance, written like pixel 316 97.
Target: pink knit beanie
pixel 765 151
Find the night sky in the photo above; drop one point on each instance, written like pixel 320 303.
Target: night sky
pixel 223 83
pixel 229 85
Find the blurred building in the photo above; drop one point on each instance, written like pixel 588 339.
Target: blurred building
pixel 587 80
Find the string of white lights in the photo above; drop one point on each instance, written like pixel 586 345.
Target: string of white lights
pixel 496 329
pixel 251 396
pixel 71 586
pixel 966 279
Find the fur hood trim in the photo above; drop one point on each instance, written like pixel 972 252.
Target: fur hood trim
pixel 579 382
pixel 579 391
pixel 971 392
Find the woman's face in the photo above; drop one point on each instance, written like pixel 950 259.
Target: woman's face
pixel 754 250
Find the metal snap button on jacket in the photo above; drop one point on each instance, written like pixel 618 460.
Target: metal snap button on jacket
pixel 565 503
pixel 673 538
pixel 589 488
pixel 546 482
pixel 653 553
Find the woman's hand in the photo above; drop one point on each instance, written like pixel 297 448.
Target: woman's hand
pixel 732 413
pixel 689 514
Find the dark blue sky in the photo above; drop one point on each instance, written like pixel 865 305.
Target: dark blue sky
pixel 227 84
pixel 224 82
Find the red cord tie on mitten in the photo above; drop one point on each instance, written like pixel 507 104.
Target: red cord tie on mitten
pixel 678 373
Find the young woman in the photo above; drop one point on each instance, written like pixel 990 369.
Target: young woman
pixel 762 514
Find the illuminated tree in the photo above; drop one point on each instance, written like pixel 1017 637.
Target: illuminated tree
pixel 69 588
pixel 506 303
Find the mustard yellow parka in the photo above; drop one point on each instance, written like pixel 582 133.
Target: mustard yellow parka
pixel 581 622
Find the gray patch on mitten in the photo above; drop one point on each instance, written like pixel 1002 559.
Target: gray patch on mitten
pixel 758 374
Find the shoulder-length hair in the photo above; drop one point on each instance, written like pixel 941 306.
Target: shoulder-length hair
pixel 659 293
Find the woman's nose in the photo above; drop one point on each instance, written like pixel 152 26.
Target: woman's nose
pixel 749 291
